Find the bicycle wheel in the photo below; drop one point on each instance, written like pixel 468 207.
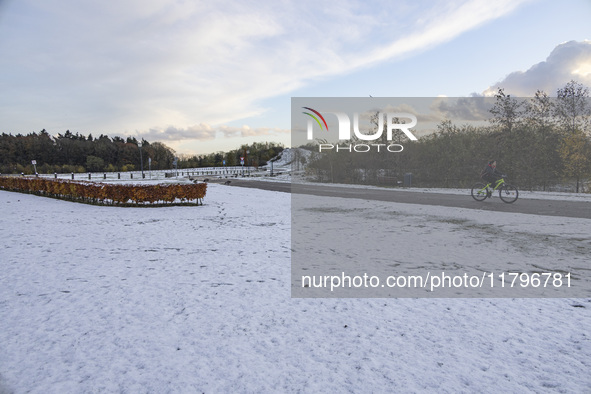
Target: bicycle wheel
pixel 508 193
pixel 479 191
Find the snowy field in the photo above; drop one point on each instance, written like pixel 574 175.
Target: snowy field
pixel 336 237
pixel 197 299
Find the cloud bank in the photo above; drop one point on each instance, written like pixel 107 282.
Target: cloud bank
pixel 568 61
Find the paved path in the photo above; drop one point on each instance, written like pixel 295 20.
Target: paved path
pixel 573 209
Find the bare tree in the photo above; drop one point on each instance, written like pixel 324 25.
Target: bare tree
pixel 539 111
pixel 572 108
pixel 507 111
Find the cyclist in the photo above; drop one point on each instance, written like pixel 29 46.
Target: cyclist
pixel 490 174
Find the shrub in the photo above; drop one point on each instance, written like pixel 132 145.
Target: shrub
pixel 100 193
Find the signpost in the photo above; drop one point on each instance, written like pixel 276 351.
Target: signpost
pixel 34 163
pixel 242 164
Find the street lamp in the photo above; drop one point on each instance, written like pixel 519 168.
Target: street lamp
pixel 247 167
pixel 139 144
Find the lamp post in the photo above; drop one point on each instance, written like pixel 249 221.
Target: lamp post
pixel 247 167
pixel 139 144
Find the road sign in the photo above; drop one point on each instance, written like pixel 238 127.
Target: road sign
pixel 241 161
pixel 34 162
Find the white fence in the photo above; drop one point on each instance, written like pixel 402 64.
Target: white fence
pixel 223 172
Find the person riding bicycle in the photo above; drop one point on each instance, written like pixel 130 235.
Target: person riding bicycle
pixel 495 181
pixel 490 174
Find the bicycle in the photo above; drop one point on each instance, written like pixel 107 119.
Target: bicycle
pixel 507 193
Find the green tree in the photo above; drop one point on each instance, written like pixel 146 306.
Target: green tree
pixel 576 153
pixel 94 164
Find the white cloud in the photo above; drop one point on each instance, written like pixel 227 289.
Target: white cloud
pixel 441 24
pixel 138 66
pixel 568 61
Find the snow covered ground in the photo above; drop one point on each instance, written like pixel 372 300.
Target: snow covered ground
pixel 197 299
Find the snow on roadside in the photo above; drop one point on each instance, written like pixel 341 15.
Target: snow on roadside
pixel 181 299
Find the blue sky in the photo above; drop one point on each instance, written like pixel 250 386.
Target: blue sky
pixel 209 76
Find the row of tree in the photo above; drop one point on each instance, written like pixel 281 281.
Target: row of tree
pixel 70 152
pixel 539 142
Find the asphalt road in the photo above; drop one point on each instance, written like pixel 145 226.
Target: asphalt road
pixel 534 207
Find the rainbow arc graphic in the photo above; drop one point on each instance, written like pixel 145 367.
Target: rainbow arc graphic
pixel 315 118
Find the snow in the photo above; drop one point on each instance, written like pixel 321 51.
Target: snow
pixel 286 157
pixel 198 299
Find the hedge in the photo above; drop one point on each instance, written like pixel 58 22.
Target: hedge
pixel 107 194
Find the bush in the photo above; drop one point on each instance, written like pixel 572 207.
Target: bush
pixel 99 193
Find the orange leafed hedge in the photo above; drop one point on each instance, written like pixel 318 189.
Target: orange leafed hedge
pixel 103 193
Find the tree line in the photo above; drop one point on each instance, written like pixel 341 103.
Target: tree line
pixel 540 142
pixel 255 155
pixel 69 152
